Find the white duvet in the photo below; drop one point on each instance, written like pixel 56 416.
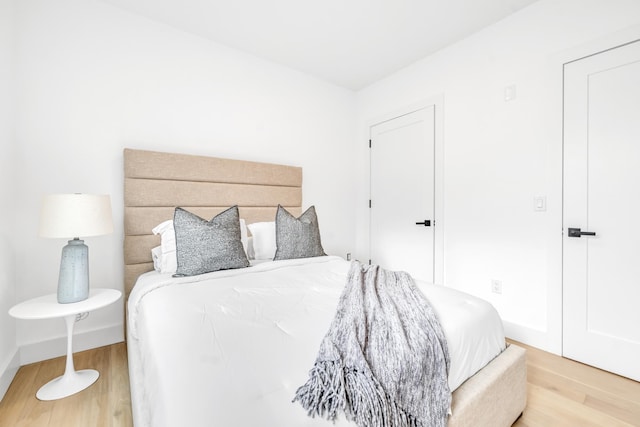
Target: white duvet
pixel 230 348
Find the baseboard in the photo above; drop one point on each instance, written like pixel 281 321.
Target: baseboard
pixel 8 372
pixel 530 336
pixel 43 350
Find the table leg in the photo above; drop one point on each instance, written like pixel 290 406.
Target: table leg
pixel 72 381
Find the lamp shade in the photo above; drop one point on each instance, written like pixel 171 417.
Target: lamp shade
pixel 75 215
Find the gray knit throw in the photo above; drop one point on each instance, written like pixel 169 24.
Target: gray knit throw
pixel 384 361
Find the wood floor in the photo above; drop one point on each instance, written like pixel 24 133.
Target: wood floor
pixel 567 393
pixel 106 403
pixel 561 393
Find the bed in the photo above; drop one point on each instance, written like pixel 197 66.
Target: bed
pixel 230 348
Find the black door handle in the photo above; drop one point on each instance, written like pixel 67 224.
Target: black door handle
pixel 426 223
pixel 576 232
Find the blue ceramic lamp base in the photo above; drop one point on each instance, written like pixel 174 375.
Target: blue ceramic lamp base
pixel 73 282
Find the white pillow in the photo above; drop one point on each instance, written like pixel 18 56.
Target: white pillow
pixel 264 239
pixel 168 262
pixel 250 252
pixel 166 256
pixel 244 236
pixel 156 255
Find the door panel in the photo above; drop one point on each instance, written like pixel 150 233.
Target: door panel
pixel 402 193
pixel 601 273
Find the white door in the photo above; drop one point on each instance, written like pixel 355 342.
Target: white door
pixel 601 272
pixel 402 193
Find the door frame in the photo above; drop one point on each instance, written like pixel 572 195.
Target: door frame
pixel 437 101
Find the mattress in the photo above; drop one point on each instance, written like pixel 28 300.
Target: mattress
pixel 230 348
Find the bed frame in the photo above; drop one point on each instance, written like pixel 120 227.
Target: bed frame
pixel 155 183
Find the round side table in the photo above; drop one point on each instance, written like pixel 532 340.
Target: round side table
pixel 47 307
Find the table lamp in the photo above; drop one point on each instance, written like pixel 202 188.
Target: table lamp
pixel 74 216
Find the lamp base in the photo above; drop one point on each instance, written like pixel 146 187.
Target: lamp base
pixel 73 282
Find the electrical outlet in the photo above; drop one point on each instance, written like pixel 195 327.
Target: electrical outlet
pixel 349 256
pixel 496 286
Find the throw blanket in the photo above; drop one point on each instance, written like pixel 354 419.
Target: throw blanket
pixel 384 361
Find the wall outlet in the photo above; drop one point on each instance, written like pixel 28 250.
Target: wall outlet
pixel 496 286
pixel 349 256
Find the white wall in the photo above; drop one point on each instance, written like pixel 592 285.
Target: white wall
pixel 8 349
pixel 499 155
pixel 93 79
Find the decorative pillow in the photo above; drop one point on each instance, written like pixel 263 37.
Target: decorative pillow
pixel 164 256
pixel 203 246
pixel 264 239
pixel 297 237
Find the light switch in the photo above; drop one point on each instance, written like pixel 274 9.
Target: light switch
pixel 510 93
pixel 539 203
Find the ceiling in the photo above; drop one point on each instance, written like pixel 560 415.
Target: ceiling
pixel 351 43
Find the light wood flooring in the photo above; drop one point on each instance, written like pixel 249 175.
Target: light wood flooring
pixel 567 393
pixel 106 403
pixel 561 393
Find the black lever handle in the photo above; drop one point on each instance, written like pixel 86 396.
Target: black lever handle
pixel 576 232
pixel 426 223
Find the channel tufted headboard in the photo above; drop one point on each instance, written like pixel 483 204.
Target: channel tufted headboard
pixel 155 183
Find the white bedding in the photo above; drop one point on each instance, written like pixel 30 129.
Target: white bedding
pixel 230 348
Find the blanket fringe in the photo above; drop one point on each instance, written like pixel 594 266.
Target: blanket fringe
pixel 332 389
pixel 323 394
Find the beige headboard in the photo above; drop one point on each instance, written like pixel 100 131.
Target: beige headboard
pixel 155 183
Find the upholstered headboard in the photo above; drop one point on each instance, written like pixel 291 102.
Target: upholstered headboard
pixel 155 183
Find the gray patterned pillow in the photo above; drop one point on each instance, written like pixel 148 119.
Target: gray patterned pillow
pixel 203 246
pixel 297 237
